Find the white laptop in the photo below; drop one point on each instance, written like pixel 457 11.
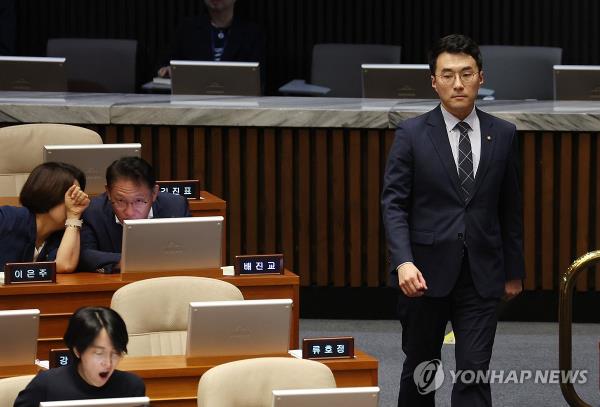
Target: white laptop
pixel 92 159
pixel 171 244
pixel 18 338
pixel 397 81
pixel 233 328
pixel 577 82
pixel 215 78
pixel 33 74
pixel 115 402
pixel 343 396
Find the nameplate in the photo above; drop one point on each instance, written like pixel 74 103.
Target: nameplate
pixel 60 357
pixel 28 273
pixel 341 347
pixel 258 264
pixel 187 188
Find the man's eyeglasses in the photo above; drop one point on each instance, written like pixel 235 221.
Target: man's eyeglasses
pixel 123 204
pixel 448 78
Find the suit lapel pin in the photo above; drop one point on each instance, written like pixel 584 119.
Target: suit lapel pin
pixel 488 137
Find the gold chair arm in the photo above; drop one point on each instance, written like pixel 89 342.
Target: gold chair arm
pixel 565 315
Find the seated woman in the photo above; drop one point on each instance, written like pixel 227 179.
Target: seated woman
pixel 47 227
pixel 98 338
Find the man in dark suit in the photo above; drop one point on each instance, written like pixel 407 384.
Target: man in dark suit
pixel 217 36
pixel 131 193
pixel 452 211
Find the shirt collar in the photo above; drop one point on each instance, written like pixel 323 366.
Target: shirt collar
pixel 451 121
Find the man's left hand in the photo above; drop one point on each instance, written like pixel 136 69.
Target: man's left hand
pixel 512 288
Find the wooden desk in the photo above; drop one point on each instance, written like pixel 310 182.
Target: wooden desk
pixel 171 382
pixel 209 205
pixel 57 302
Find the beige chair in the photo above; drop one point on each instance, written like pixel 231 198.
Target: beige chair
pixel 21 149
pixel 255 379
pixel 156 310
pixel 10 388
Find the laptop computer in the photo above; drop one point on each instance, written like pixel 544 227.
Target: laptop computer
pixel 20 347
pixel 37 74
pixel 345 396
pixel 397 81
pixel 171 244
pixel 114 402
pixel 215 78
pixel 233 328
pixel 577 82
pixel 92 159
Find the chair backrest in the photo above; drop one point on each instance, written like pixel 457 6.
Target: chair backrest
pixel 519 72
pixel 21 149
pixel 337 66
pixel 97 65
pixel 10 388
pixel 257 378
pixel 156 310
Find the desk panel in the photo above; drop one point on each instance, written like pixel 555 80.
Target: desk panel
pixel 170 381
pixel 57 302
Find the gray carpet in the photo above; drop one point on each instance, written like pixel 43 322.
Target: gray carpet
pixel 520 346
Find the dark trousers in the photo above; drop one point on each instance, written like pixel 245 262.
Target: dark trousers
pixel 424 322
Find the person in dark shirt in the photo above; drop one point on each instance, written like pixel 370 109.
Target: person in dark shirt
pixel 8 27
pixel 97 336
pixel 131 193
pixel 217 36
pixel 46 227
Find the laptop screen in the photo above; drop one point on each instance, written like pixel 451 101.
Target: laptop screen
pixel 397 81
pixel 215 78
pixel 114 402
pixel 232 328
pixel 577 82
pixel 33 74
pixel 344 396
pixel 92 159
pixel 171 244
pixel 19 348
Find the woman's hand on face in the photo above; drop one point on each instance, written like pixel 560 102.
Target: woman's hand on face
pixel 75 202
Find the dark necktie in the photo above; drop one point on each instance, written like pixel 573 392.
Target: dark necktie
pixel 465 161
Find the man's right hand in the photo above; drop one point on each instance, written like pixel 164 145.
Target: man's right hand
pixel 411 280
pixel 165 72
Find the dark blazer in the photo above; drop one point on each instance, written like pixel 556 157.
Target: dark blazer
pixel 428 223
pixel 17 237
pixel 101 235
pixel 245 42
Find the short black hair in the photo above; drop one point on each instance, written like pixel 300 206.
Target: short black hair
pixel 135 169
pixel 454 44
pixel 47 184
pixel 87 322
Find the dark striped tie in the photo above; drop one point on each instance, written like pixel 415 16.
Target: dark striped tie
pixel 465 161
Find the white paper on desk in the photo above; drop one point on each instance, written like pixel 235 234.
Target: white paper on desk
pixel 2 277
pixel 43 363
pixel 228 270
pixel 297 353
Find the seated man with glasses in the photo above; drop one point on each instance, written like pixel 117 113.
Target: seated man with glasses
pixel 131 193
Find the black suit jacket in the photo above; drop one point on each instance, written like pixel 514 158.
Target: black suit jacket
pixel 245 42
pixel 426 219
pixel 102 236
